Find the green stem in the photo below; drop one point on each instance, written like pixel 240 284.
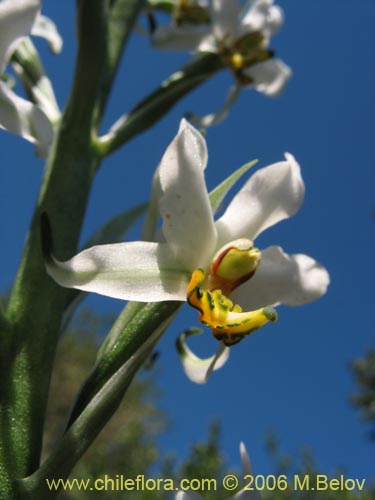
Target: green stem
pixel 37 303
pixel 128 313
pixel 87 426
pixel 121 13
pixel 157 104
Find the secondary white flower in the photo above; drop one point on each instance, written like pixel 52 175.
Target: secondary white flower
pixel 241 495
pixel 241 39
pixel 18 115
pixel 202 260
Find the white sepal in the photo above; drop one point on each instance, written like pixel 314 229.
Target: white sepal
pixel 140 271
pixel 198 369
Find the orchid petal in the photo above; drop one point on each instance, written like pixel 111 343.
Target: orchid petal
pixel 39 86
pixel 224 16
pixel 45 98
pixel 187 495
pixel 245 460
pixel 283 279
pixel 208 44
pixel 219 116
pixel 46 28
pixel 184 38
pixel 247 471
pixel 270 195
pixel 23 118
pixel 197 369
pixel 149 226
pixel 263 16
pixel 188 224
pixel 16 20
pixel 139 271
pixel 269 77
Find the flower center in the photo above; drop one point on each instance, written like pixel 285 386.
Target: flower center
pixel 190 12
pixel 233 264
pixel 243 53
pixel 207 292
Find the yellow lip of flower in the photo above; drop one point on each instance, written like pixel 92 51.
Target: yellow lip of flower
pixel 227 320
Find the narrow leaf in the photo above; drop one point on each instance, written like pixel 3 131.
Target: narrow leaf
pixel 140 324
pixel 115 229
pixel 218 194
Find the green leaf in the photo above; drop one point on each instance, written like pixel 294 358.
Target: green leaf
pixel 132 329
pixel 218 194
pixel 158 103
pixel 115 229
pixel 122 16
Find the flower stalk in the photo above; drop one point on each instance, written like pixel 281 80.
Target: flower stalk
pixel 64 194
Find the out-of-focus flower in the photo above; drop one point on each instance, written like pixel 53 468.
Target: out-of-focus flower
pixel 244 494
pixel 17 115
pixel 182 11
pixel 202 260
pixel 241 38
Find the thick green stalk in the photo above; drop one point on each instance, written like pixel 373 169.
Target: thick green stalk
pixel 121 13
pixel 88 425
pixel 37 303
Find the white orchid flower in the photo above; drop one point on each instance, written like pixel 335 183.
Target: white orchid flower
pixel 241 39
pixel 202 260
pixel 18 115
pixel 243 494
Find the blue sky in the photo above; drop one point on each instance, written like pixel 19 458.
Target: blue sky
pixel 291 377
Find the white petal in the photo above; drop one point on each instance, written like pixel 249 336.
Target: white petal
pixel 270 195
pixel 219 116
pixel 46 28
pixel 263 16
pixel 275 19
pixel 185 38
pixel 225 18
pixel 283 279
pixel 129 271
pixel 45 98
pixel 197 369
pixel 208 44
pixel 16 20
pixel 23 118
pixel 42 90
pixel 188 224
pixel 269 77
pixel 245 460
pixel 149 227
pixel 247 471
pixel 187 495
